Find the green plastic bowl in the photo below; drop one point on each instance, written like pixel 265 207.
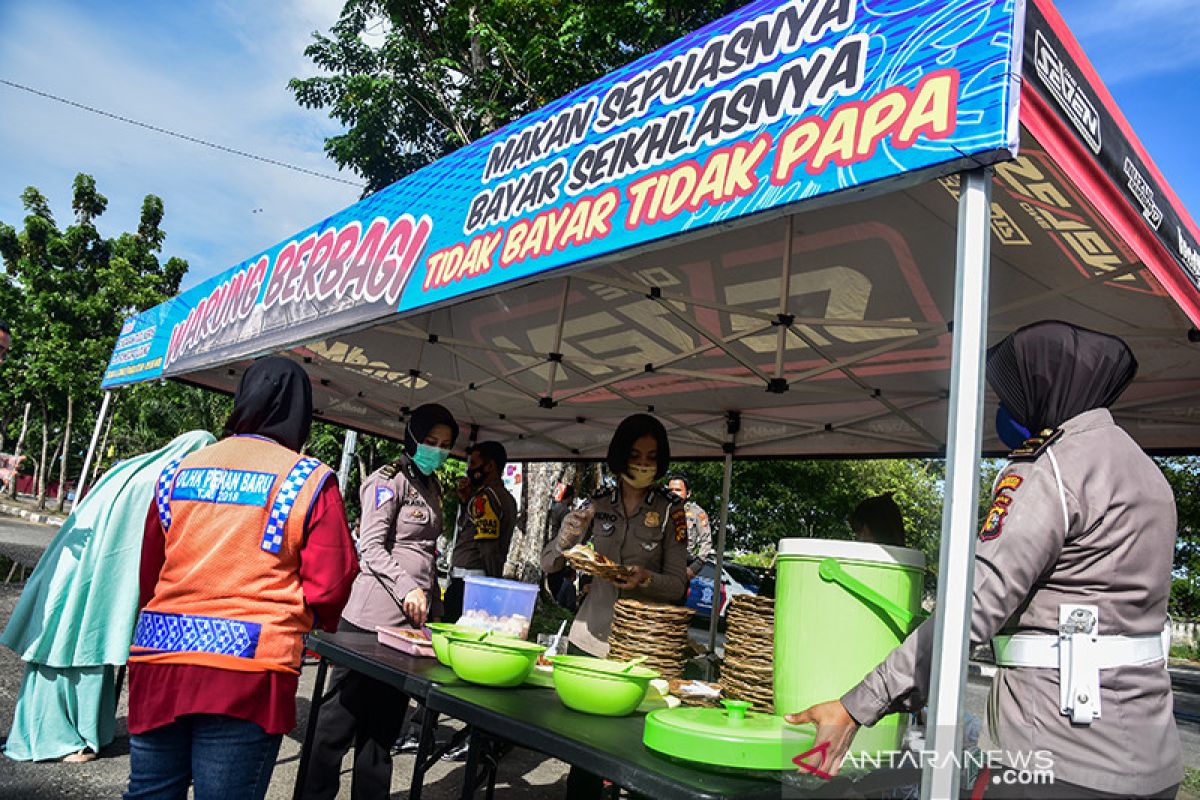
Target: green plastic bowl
pixel 441 644
pixel 599 686
pixel 493 661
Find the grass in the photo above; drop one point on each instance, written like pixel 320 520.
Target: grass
pixel 1191 781
pixel 1186 652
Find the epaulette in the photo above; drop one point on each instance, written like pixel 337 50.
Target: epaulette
pixel 603 491
pixel 1034 446
pixel 388 471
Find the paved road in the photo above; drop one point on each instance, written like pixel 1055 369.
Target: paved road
pixel 23 541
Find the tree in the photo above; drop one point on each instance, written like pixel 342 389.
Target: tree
pixel 72 289
pixel 413 80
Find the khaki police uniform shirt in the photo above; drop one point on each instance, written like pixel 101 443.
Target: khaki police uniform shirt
pixel 700 541
pixel 655 538
pixel 397 544
pixel 485 530
pixel 1113 550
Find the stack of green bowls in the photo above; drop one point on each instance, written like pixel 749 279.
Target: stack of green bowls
pixel 490 659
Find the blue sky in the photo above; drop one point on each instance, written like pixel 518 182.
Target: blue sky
pixel 218 70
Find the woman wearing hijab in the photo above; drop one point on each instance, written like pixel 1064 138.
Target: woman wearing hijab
pixel 245 550
pixel 73 622
pixel 397 587
pixel 1073 560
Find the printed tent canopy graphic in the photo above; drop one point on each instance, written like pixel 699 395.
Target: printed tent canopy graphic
pixel 759 219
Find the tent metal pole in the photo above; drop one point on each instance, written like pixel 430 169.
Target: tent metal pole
pixel 733 423
pixel 785 294
pixel 349 445
pixel 91 453
pixel 558 334
pixel 941 777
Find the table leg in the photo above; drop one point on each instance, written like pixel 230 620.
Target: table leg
pixel 318 697
pixel 425 755
pixel 472 765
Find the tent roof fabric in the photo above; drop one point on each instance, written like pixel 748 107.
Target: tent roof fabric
pixel 817 311
pixel 861 341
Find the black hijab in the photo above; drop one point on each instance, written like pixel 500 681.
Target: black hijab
pixel 1048 372
pixel 629 431
pixel 421 423
pixel 274 399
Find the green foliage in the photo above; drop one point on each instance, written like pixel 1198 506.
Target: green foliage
pixel 66 292
pixel 413 80
pixel 760 558
pixel 1184 476
pixel 771 500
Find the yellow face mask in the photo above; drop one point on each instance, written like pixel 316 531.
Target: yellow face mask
pixel 639 477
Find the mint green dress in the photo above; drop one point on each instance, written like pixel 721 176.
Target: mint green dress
pixel 74 620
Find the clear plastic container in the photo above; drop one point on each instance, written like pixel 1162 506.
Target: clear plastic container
pixel 500 605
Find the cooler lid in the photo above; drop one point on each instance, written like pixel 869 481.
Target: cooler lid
pixel 732 736
pixel 852 551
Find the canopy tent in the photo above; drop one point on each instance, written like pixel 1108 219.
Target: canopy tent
pixel 772 234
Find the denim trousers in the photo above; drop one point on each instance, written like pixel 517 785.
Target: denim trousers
pixel 225 757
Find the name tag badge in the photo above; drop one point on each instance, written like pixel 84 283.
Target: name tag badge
pixel 223 486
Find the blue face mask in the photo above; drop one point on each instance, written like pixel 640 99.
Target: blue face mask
pixel 428 458
pixel 1011 432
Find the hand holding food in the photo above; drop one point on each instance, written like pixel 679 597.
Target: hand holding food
pixel 575 525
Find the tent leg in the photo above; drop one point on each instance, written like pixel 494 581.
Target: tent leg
pixel 348 446
pixel 91 453
pixel 732 425
pixel 941 778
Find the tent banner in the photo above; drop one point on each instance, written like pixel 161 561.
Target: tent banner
pixel 1074 91
pixel 773 105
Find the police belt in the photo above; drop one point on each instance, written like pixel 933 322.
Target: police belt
pixel 462 572
pixel 1078 653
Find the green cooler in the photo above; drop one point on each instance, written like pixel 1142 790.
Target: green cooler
pixel 840 608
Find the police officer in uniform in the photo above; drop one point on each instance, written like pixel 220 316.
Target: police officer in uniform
pixel 1072 576
pixel 700 542
pixel 397 586
pixel 635 524
pixel 486 520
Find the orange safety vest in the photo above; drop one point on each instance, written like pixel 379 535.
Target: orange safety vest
pixel 229 592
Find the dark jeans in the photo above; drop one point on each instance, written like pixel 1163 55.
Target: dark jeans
pixel 452 601
pixel 225 757
pixel 361 713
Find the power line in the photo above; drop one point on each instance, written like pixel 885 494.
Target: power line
pixel 178 135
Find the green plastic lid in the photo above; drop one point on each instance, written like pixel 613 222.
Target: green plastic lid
pixel 733 736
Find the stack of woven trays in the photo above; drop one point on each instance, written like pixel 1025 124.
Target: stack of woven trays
pixel 749 669
pixel 658 632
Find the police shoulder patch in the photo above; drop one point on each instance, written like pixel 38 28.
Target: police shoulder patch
pixel 1002 501
pixel 1034 446
pixel 382 495
pixel 679 519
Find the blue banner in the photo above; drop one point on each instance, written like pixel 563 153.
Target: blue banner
pixel 775 104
